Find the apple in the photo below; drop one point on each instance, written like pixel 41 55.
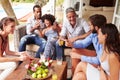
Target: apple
pixel 34 75
pixel 39 76
pixel 39 71
pixel 44 75
pixel 54 77
pixel 46 70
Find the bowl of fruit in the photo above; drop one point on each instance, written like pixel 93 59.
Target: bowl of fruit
pixel 39 69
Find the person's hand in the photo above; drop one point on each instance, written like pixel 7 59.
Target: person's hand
pixel 25 53
pixel 23 57
pixel 72 40
pixel 68 44
pixel 37 25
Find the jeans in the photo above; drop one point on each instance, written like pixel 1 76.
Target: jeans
pixel 32 39
pixel 59 50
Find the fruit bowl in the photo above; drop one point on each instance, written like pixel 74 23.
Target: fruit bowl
pixel 41 78
pixel 39 70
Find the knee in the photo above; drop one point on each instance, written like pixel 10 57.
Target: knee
pixel 82 64
pixel 57 44
pixel 79 76
pixel 23 39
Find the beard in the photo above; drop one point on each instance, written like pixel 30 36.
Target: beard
pixel 94 31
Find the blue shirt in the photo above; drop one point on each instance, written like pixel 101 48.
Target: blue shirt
pixel 92 38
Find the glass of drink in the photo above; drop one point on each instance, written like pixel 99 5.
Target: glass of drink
pixel 59 60
pixel 54 76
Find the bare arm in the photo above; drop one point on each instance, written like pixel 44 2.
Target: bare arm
pixel 114 67
pixel 80 37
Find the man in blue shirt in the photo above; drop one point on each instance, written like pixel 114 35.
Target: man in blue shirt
pixel 95 22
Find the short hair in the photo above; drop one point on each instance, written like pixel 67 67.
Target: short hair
pixel 70 9
pixel 36 6
pixel 98 20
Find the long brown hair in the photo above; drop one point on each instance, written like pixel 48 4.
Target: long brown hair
pixel 5 21
pixel 112 42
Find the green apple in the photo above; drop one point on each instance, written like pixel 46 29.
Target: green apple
pixel 54 77
pixel 39 76
pixel 46 70
pixel 39 71
pixel 44 75
pixel 34 75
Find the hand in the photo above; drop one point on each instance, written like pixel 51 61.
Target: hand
pixel 68 44
pixel 72 40
pixel 37 25
pixel 23 57
pixel 25 53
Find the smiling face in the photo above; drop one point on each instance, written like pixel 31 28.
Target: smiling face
pixel 101 37
pixel 71 16
pixel 10 27
pixel 47 23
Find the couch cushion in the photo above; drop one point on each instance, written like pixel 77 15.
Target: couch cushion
pixel 90 8
pixel 108 8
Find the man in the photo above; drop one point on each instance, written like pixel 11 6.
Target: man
pixel 73 28
pixel 95 22
pixel 34 26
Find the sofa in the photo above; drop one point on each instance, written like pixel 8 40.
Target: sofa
pixel 90 10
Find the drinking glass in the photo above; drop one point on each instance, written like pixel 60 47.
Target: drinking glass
pixel 59 60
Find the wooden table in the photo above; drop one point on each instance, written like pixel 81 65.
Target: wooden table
pixel 20 72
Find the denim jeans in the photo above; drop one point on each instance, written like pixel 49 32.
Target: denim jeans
pixel 59 50
pixel 32 39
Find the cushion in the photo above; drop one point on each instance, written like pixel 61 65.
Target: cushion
pixel 108 8
pixel 90 8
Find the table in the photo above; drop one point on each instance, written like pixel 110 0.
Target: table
pixel 20 72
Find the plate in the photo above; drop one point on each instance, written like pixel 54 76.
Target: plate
pixel 29 76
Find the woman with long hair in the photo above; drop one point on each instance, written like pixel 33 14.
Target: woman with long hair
pixel 8 59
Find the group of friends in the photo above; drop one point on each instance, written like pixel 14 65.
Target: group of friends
pixel 102 63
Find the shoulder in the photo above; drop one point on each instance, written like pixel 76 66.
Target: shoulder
pixel 81 20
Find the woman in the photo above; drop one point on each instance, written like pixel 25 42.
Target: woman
pixel 108 36
pixel 51 32
pixel 8 63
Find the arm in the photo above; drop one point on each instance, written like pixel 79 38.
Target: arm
pixel 114 69
pixel 91 60
pixel 80 43
pixel 83 43
pixel 80 37
pixel 63 32
pixel 86 28
pixel 30 28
